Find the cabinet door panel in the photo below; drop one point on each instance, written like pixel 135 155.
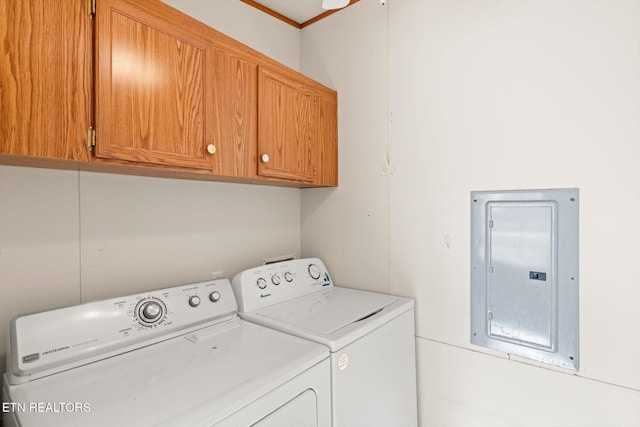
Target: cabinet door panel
pixel 236 117
pixel 152 92
pixel 45 78
pixel 327 141
pixel 285 128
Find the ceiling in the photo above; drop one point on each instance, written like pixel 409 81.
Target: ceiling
pixel 298 13
pixel 296 10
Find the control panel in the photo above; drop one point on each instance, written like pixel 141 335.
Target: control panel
pixel 270 284
pixel 50 340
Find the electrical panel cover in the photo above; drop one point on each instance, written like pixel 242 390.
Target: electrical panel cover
pixel 524 273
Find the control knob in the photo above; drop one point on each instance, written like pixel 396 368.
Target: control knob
pixel 214 296
pixel 262 283
pixel 194 301
pixel 288 276
pixel 314 271
pixel 275 279
pixel 150 311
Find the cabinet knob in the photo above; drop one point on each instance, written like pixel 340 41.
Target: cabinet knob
pixel 211 149
pixel 265 158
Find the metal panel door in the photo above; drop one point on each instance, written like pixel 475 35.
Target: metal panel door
pixel 522 291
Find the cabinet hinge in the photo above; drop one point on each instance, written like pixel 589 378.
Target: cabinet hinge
pixel 91 8
pixel 91 139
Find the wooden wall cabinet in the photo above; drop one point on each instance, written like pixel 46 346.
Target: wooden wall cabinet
pixel 297 128
pixel 235 115
pixel 153 95
pixel 45 80
pixel 286 127
pixel 166 94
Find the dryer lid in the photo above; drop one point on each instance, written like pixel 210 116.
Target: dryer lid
pixel 328 311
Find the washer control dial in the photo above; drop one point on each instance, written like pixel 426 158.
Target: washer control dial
pixel 288 276
pixel 314 271
pixel 275 279
pixel 262 283
pixel 194 301
pixel 150 311
pixel 214 296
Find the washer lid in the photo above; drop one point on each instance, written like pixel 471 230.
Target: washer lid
pixel 327 312
pixel 199 379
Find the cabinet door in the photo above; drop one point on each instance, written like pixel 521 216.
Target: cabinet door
pixel 45 78
pixel 235 115
pixel 153 95
pixel 286 127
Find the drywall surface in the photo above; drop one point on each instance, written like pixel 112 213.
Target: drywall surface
pixel 248 25
pixel 348 226
pixel 517 95
pixel 489 95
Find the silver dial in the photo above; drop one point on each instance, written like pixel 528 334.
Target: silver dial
pixel 194 301
pixel 150 311
pixel 214 296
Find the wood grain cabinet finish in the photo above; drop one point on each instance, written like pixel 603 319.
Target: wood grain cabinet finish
pixel 153 95
pixel 297 128
pixel 235 114
pixel 327 139
pixel 45 79
pixel 167 96
pixel 286 134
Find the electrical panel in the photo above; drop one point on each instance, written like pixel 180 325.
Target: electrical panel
pixel 524 273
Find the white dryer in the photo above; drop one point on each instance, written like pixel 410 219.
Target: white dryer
pixel 371 337
pixel 174 357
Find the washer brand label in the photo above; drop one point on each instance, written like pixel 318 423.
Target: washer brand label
pixel 343 361
pixel 55 350
pixel 264 295
pixel 30 358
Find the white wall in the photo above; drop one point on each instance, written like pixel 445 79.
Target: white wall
pixel 348 226
pixel 68 237
pixel 489 95
pixel 248 25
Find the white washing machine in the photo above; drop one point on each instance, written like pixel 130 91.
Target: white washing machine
pixel 371 337
pixel 174 357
